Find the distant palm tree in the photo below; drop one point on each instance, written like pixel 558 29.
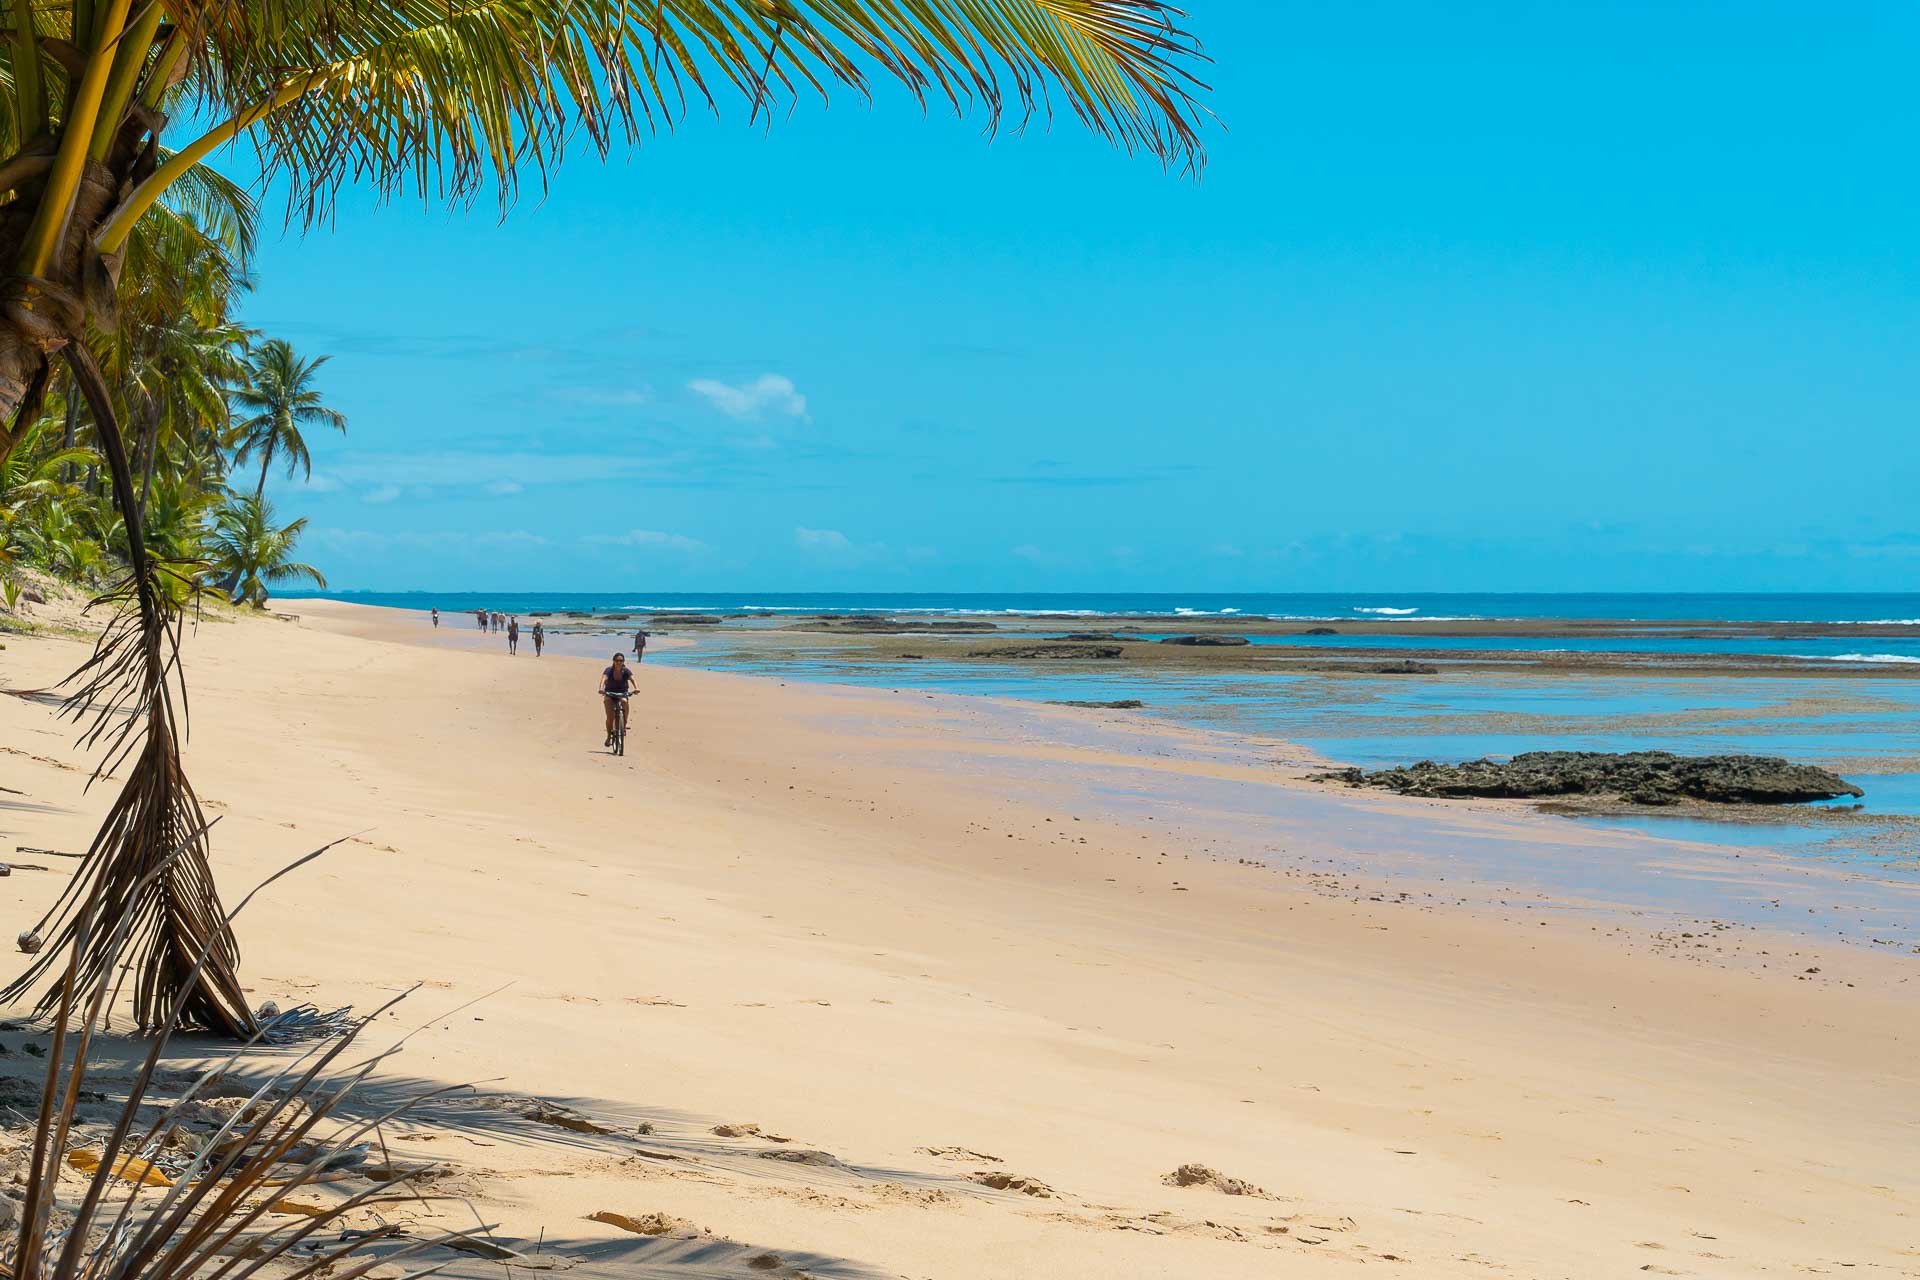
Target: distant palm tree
pixel 280 392
pixel 252 553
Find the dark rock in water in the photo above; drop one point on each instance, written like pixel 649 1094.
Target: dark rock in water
pixel 913 657
pixel 1208 642
pixel 1119 704
pixel 680 619
pixel 1084 636
pixel 1637 777
pixel 1319 631
pixel 1068 651
pixel 1405 667
pixel 894 626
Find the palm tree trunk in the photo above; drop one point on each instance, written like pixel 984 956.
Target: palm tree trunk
pixel 70 431
pixel 149 449
pixel 266 460
pixel 21 363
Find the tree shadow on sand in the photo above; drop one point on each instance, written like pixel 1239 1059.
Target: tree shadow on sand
pixel 443 1124
pixel 644 1258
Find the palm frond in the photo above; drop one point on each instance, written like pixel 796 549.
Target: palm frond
pixel 222 206
pixel 443 99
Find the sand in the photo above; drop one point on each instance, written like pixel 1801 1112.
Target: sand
pixel 914 938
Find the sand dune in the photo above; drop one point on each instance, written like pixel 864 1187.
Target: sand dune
pixel 850 983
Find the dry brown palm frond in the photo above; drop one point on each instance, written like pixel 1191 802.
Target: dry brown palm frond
pixel 147 872
pixel 228 1213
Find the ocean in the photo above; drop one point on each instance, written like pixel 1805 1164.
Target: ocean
pixel 1304 606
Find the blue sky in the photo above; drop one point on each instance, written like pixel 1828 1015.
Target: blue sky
pixel 1471 297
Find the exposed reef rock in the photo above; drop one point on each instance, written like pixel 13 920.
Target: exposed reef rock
pixel 1636 777
pixel 893 626
pixel 1209 642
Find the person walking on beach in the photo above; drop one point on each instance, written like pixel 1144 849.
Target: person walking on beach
pixel 639 646
pixel 513 635
pixel 480 618
pixel 436 619
pixel 617 678
pixel 539 638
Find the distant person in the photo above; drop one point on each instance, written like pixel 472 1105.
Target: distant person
pixel 480 617
pixel 616 679
pixel 639 647
pixel 436 619
pixel 539 638
pixel 513 635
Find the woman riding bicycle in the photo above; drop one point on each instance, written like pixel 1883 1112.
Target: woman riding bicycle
pixel 616 679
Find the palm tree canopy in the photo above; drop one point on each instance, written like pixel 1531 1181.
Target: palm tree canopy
pixel 250 548
pixel 281 393
pixel 443 99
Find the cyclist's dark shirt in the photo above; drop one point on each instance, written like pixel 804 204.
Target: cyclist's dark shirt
pixel 620 681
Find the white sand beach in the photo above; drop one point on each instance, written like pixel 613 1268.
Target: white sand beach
pixel 977 1014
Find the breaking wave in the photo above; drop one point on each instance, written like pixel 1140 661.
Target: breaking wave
pixel 1859 657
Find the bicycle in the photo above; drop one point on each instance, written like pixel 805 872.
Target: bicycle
pixel 617 740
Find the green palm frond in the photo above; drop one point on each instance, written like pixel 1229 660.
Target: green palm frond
pixel 218 206
pixel 444 98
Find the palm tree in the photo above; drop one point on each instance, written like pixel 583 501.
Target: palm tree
pixel 441 98
pixel 279 390
pixel 247 547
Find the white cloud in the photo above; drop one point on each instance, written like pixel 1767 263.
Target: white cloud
pixel 385 493
pixel 768 393
pixel 321 482
pixel 647 538
pixel 821 539
pixel 502 488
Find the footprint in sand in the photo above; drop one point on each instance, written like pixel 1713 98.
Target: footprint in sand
pixel 958 1153
pixel 999 1181
pixel 647 1224
pixel 818 1159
